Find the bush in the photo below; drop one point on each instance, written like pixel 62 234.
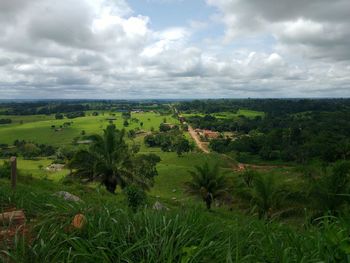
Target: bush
pixel 5 170
pixel 59 116
pixel 5 121
pixel 135 196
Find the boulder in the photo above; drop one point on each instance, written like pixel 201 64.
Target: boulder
pixel 68 196
pixel 158 206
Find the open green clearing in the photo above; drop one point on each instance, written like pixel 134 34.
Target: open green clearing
pixel 231 115
pixel 39 129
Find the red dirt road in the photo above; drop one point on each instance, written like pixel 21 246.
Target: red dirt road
pixel 196 138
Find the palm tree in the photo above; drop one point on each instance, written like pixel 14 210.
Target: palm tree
pixel 330 188
pixel 208 183
pixel 266 194
pixel 108 159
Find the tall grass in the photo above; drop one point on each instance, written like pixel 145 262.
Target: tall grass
pixel 115 234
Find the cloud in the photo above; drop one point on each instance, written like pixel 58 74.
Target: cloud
pixel 314 28
pixel 103 49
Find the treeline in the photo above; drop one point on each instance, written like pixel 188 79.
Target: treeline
pixel 270 106
pixel 294 137
pixel 44 108
pixel 26 149
pixel 59 107
pixel 239 124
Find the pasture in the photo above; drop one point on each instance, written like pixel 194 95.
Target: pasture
pixel 230 115
pixel 47 130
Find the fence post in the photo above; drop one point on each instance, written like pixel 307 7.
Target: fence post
pixel 13 161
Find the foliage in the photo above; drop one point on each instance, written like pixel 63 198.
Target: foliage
pixel 249 176
pixel 164 127
pixel 208 183
pixel 110 161
pixel 145 170
pixel 31 150
pixel 65 154
pixel 73 115
pixel 5 170
pixel 171 141
pixel 330 188
pixel 135 196
pixel 5 121
pixel 59 116
pixel 266 194
pixel 113 234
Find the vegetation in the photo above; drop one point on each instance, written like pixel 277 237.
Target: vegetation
pixel 113 234
pixel 208 184
pixel 135 197
pixel 5 121
pixel 276 183
pixel 169 139
pixel 110 161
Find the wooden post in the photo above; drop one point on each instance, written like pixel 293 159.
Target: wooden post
pixel 13 172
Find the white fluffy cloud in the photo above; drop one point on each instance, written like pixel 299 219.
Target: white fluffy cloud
pixel 102 49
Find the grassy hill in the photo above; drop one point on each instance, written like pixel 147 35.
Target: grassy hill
pixel 113 233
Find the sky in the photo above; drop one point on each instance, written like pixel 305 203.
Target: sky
pixel 149 49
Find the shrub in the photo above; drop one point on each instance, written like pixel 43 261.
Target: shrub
pixel 135 197
pixel 5 170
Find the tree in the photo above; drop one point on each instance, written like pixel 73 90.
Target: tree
pixel 109 160
pixel 64 155
pixel 145 170
pixel 266 194
pixel 30 150
pixel 182 145
pixel 330 188
pixel 248 177
pixel 164 127
pixel 126 123
pixel 132 134
pixel 59 116
pixel 208 183
pixel 135 196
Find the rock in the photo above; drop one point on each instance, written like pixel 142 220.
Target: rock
pixel 174 198
pixel 174 190
pixel 14 217
pixel 55 167
pixel 68 196
pixel 12 227
pixel 158 206
pixel 79 221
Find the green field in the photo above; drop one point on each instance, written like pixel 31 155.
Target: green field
pixel 38 128
pixel 230 115
pixel 173 170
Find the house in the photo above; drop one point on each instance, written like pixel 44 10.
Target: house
pixel 207 133
pixel 210 134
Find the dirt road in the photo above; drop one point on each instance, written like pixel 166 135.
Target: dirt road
pixel 196 138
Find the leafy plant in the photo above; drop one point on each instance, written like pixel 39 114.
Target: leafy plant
pixel 208 183
pixel 330 188
pixel 135 197
pixel 110 161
